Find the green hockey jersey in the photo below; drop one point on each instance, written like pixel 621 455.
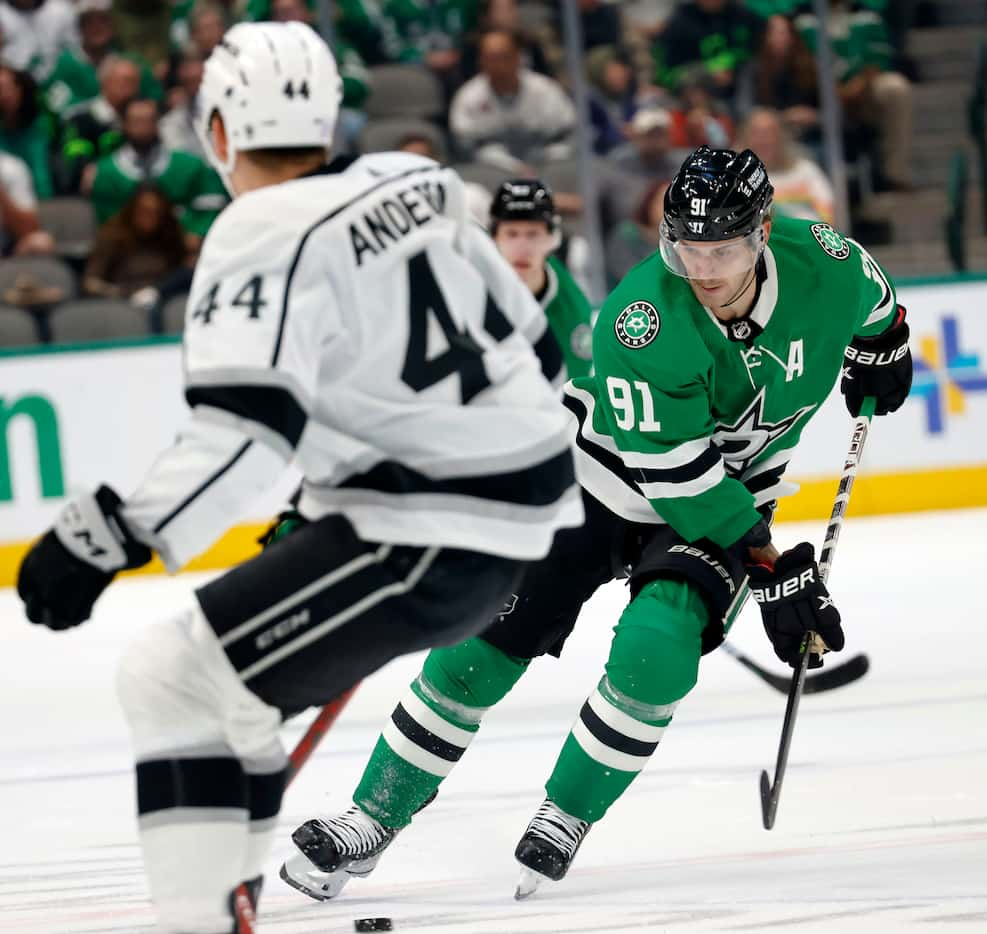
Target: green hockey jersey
pixel 186 180
pixel 569 316
pixel 75 80
pixel 405 30
pixel 683 423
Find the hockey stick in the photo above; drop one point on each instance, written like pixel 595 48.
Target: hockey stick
pixel 245 900
pixel 771 790
pixel 826 680
pixel 317 729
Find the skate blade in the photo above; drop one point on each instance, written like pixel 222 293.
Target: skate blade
pixel 528 883
pixel 322 886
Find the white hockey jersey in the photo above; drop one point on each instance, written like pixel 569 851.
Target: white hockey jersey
pixel 358 322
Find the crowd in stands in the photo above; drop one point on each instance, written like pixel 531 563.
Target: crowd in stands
pixel 98 99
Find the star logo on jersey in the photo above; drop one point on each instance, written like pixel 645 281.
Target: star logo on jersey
pixel 830 241
pixel 581 341
pixel 637 325
pixel 825 602
pixel 743 442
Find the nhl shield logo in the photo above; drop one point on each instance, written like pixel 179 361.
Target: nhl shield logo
pixel 741 330
pixel 830 241
pixel 637 325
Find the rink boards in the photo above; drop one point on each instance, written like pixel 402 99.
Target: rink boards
pixel 75 416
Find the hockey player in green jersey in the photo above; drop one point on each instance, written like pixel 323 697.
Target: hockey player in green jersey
pixel 710 357
pixel 525 228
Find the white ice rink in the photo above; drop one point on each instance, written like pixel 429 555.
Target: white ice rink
pixel 882 825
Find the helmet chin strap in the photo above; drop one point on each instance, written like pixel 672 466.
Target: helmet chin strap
pixel 743 288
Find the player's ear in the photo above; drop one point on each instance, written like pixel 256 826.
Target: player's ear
pixel 767 228
pixel 218 132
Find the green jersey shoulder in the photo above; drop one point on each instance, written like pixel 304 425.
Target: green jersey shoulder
pixel 691 421
pixel 570 316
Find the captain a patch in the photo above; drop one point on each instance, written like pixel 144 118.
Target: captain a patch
pixel 637 325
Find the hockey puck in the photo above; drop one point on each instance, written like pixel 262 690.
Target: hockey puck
pixel 373 924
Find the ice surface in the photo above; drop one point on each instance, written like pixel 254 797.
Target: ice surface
pixel 882 825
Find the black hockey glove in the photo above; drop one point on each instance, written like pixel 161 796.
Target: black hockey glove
pixel 67 569
pixel 880 367
pixel 793 599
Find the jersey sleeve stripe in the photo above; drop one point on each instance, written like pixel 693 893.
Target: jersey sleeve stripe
pixel 574 401
pixel 680 473
pixel 539 485
pixel 271 406
pixel 550 355
pixel 195 494
pixel 676 489
pixel 682 454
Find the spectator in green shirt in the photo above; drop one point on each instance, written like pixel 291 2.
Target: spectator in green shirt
pixel 92 129
pixel 23 128
pixel 75 77
pixel 710 42
pixel 871 93
pixel 433 33
pixel 184 179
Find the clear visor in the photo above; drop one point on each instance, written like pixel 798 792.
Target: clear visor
pixel 718 259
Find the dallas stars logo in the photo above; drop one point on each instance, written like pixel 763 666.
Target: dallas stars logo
pixel 830 241
pixel 637 325
pixel 743 442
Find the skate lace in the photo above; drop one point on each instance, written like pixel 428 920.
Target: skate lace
pixel 560 829
pixel 354 832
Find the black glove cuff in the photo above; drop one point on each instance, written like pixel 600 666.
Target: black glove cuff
pixel 757 536
pixel 889 340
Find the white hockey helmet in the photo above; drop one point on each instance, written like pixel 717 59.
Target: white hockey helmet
pixel 275 86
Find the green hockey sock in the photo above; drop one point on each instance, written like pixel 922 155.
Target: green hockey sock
pixel 654 660
pixel 432 726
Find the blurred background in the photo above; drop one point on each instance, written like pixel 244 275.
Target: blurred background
pixel 870 114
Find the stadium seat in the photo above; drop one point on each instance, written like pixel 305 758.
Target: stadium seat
pixel 488 176
pixel 173 315
pixel 31 275
pixel 72 222
pixel 386 134
pixel 96 319
pixel 17 327
pixel 955 221
pixel 562 175
pixel 404 91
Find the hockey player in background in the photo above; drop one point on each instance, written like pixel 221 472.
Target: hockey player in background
pixel 525 228
pixel 710 357
pixel 351 318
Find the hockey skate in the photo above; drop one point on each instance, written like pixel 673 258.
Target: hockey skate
pixel 548 846
pixel 335 850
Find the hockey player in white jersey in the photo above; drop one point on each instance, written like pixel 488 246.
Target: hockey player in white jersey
pixel 348 317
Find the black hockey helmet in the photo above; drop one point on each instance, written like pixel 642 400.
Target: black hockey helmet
pixel 718 194
pixel 523 199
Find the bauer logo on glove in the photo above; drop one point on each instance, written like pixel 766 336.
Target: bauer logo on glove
pixel 786 588
pixel 793 601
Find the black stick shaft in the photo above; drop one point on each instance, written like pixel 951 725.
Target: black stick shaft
pixel 771 790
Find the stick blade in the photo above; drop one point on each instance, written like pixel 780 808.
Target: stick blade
pixel 838 676
pixel 769 803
